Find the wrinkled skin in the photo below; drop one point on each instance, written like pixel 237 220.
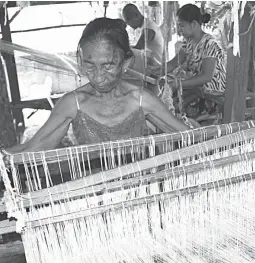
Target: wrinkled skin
pixel 103 65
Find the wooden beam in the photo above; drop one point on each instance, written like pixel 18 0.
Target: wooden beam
pixel 46 28
pixel 36 3
pixel 15 15
pixel 237 75
pixel 7 130
pixel 2 3
pixel 11 70
pixel 39 104
pixel 251 83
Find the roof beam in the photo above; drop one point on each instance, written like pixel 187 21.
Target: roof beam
pixel 36 3
pixel 15 15
pixel 45 28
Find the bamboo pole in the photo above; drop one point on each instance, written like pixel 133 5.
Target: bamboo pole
pixel 38 56
pixel 141 76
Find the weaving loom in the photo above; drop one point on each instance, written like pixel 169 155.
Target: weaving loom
pixel 190 201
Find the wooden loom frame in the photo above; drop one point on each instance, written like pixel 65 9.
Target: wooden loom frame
pixel 93 183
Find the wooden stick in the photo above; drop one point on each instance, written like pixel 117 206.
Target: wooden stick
pixel 39 56
pixel 195 135
pixel 141 76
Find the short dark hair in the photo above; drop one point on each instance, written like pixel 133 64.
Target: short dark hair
pixel 129 10
pixel 111 30
pixel 189 13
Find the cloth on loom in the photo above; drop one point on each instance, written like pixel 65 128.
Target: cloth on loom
pixel 89 131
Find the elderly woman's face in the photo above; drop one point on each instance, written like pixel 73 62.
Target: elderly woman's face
pixel 103 64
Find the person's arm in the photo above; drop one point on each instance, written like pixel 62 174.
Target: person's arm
pixel 51 133
pixel 172 64
pixel 141 41
pixel 206 75
pixel 153 105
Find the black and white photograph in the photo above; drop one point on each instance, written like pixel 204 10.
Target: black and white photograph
pixel 127 131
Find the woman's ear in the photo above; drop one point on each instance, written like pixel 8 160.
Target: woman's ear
pixel 194 23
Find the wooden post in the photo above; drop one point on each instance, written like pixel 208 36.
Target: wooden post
pixel 7 129
pixel 11 70
pixel 251 83
pixel 237 75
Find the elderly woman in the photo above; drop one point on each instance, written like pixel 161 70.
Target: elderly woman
pixel 106 108
pixel 202 59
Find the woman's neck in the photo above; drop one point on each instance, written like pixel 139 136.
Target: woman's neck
pixel 198 36
pixel 109 96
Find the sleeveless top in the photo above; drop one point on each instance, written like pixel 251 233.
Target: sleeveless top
pixel 89 131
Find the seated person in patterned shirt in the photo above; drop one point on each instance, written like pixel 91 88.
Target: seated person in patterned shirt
pixel 202 60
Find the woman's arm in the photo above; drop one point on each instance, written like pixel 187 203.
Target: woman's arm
pixel 153 105
pixel 172 64
pixel 51 133
pixel 206 75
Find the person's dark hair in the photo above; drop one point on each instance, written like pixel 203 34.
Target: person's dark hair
pixel 129 10
pixel 189 13
pixel 107 29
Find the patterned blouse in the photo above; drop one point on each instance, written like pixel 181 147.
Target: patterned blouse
pixel 208 47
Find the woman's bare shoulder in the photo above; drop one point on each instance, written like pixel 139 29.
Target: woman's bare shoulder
pixel 67 104
pixel 131 89
pixel 139 91
pixel 82 93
